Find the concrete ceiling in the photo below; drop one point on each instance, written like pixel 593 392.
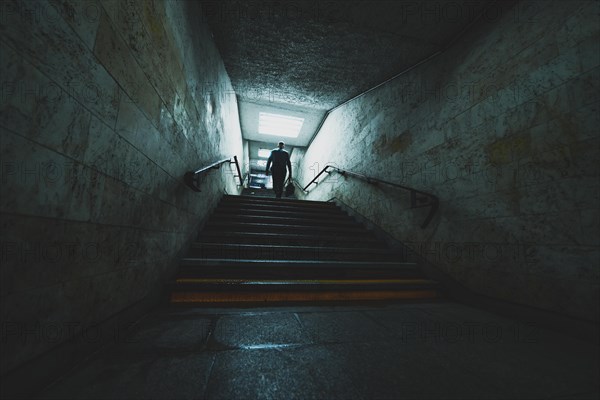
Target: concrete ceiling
pixel 306 57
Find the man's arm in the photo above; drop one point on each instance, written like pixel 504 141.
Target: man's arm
pixel 289 165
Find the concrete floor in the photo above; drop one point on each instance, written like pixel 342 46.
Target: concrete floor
pixel 419 350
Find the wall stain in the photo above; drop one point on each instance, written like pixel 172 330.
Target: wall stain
pixel 153 22
pixel 508 149
pixel 397 144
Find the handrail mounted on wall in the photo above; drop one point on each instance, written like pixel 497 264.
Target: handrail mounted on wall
pixel 192 178
pixel 425 199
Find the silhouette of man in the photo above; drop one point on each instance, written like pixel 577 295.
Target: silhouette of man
pixel 280 159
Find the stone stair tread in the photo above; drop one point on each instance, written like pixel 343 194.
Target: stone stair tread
pixel 230 281
pixel 291 247
pixel 235 211
pixel 289 296
pixel 257 250
pixel 273 219
pixel 268 235
pixel 211 261
pixel 226 284
pixel 280 207
pixel 257 225
pixel 250 225
pixel 274 200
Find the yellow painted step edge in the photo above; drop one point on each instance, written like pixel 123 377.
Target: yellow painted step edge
pixel 216 297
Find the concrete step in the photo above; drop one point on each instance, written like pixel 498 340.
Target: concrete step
pixel 232 298
pixel 357 230
pixel 281 213
pixel 274 285
pixel 257 250
pixel 228 206
pixel 275 252
pixel 274 201
pixel 299 291
pixel 291 239
pixel 291 218
pixel 306 264
pixel 293 269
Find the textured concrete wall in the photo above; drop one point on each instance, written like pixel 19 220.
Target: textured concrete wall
pixel 503 128
pixel 104 106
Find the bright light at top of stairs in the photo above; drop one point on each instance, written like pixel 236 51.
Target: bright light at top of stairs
pixel 264 153
pixel 279 125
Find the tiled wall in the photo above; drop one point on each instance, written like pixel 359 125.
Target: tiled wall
pixel 503 128
pixel 104 106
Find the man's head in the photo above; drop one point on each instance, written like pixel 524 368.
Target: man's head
pixel 281 145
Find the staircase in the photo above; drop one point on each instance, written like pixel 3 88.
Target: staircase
pixel 257 250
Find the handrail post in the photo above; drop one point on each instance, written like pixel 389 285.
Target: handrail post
pixel 434 207
pixel 316 177
pixel 189 178
pixel 237 166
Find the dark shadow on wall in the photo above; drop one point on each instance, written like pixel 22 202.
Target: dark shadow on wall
pixel 455 290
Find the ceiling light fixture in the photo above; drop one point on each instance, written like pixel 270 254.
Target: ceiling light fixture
pixel 279 125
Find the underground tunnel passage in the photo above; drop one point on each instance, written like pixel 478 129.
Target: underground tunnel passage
pixel 428 228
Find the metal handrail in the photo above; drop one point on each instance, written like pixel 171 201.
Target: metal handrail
pixel 431 200
pixel 192 178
